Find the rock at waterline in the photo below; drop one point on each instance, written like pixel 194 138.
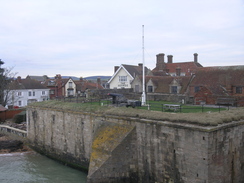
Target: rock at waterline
pixel 8 145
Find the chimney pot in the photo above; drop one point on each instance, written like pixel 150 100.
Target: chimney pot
pixel 160 61
pixel 98 80
pixel 140 64
pixel 170 59
pixel 19 79
pixel 58 76
pixel 195 57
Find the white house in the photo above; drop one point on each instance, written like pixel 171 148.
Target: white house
pixel 70 88
pixel 124 75
pixel 25 91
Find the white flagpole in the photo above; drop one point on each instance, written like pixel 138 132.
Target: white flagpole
pixel 143 97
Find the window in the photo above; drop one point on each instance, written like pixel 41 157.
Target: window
pixel 29 93
pixel 19 93
pixel 19 102
pixel 239 89
pixel 51 91
pixel 70 92
pixel 34 93
pixel 137 88
pixel 174 89
pixel 43 92
pixel 122 78
pixel 70 84
pixel 51 82
pixel 197 89
pixel 150 88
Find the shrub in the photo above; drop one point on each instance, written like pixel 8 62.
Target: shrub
pixel 19 118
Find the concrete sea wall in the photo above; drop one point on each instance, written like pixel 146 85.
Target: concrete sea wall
pixel 125 149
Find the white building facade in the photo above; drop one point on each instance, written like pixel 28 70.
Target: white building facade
pixel 23 97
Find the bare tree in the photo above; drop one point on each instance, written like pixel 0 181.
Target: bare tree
pixel 6 76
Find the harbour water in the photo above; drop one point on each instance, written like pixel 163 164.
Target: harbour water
pixel 32 167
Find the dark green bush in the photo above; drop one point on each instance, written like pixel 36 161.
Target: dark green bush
pixel 19 118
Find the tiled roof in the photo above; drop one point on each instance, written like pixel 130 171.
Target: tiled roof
pixel 134 70
pixel 37 78
pixel 26 84
pixel 55 82
pixel 2 108
pixel 162 84
pixel 219 79
pixel 83 85
pixel 186 67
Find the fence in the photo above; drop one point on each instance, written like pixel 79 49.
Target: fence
pixel 9 114
pixel 185 108
pixel 8 129
pixel 154 106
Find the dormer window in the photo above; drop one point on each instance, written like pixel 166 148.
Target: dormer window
pixel 149 89
pixel 174 89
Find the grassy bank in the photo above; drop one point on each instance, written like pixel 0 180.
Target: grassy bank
pixel 207 118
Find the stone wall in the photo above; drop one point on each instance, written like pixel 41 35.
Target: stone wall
pixel 167 97
pixel 61 135
pixel 124 149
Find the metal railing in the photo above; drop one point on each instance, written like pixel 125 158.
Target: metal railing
pixel 16 131
pixel 154 106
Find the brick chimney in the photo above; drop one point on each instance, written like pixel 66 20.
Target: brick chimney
pixel 160 61
pixel 178 71
pixel 19 79
pixel 170 59
pixel 140 64
pixel 195 57
pixel 99 80
pixel 228 83
pixel 116 68
pixel 58 76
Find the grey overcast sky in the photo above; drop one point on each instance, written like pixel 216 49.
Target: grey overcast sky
pixel 90 37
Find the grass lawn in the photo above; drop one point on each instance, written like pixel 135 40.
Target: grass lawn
pixel 158 106
pixel 153 106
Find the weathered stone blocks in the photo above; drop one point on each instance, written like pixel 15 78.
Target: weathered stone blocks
pixel 124 149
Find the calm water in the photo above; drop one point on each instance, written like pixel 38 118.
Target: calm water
pixel 35 168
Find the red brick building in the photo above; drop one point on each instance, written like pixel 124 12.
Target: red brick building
pixel 65 87
pixel 218 85
pixel 175 69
